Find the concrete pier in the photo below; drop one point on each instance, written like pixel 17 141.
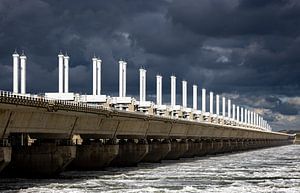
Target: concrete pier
pixel 94 156
pixel 130 153
pixel 178 149
pixel 47 159
pixel 158 150
pixel 193 149
pixel 5 157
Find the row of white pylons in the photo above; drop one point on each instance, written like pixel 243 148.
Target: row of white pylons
pixel 234 113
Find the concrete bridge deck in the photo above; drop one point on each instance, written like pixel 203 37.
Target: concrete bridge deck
pixel 36 136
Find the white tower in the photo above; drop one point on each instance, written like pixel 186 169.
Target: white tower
pixel 66 73
pixel 229 108
pixel 233 112
pixel 203 100
pixel 122 78
pixel 211 102
pixel 60 73
pixel 238 114
pixel 94 60
pixel 158 90
pixel 142 85
pixel 23 73
pixel 184 93
pixel 173 90
pixel 223 107
pixel 195 95
pixel 242 115
pixel 99 76
pixel 15 72
pixel 217 104
pixel 246 116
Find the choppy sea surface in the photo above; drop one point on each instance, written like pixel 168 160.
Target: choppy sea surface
pixel 267 170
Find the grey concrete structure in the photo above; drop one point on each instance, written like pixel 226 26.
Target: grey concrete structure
pixel 38 136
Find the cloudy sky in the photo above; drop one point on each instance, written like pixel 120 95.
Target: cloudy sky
pixel 248 50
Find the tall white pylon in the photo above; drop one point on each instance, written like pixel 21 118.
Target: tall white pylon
pixel 142 85
pixel 122 78
pixel 173 91
pixel 158 90
pixel 66 73
pixel 94 61
pixel 211 102
pixel 184 93
pixel 203 100
pixel 23 59
pixel 195 96
pixel 15 72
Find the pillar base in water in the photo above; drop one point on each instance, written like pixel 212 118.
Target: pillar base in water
pixel 42 160
pixel 157 151
pixel 193 148
pixel 95 156
pixel 177 150
pixel 5 157
pixel 130 154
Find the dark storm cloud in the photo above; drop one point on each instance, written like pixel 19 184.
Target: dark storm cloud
pixel 248 48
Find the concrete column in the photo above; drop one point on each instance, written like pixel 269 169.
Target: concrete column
pixel 23 59
pixel 46 159
pixel 15 72
pixel 248 118
pixel 223 107
pixel 203 100
pixel 233 112
pixel 142 85
pixel 94 156
pixel 99 76
pixel 184 93
pixel 5 157
pixel 60 73
pixel 192 151
pixel 211 102
pixel 178 148
pixel 195 97
pixel 173 90
pixel 122 78
pixel 94 60
pixel 238 114
pixel 218 104
pixel 159 90
pixel 130 153
pixel 66 73
pixel 229 109
pixel 242 115
pixel 157 151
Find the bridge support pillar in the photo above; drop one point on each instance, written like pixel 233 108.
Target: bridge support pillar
pixel 157 151
pixel 46 159
pixel 205 148
pixel 130 153
pixel 5 157
pixel 94 156
pixel 193 148
pixel 178 148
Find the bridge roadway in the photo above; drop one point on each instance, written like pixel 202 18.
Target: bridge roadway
pixel 42 137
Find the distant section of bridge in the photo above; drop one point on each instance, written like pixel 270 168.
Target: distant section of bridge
pixel 46 134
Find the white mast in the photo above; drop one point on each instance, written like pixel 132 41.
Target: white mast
pixel 184 93
pixel 195 95
pixel 158 90
pixel 66 72
pixel 23 73
pixel 173 90
pixel 15 72
pixel 142 85
pixel 98 76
